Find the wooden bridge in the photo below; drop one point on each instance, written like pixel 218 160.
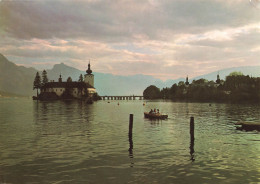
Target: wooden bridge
pixel 132 97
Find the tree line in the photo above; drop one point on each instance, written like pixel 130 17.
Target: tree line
pixel 235 88
pixel 38 82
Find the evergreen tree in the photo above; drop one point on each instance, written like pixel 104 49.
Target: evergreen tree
pixel 44 77
pixel 80 86
pixel 81 78
pixel 68 89
pixel 37 82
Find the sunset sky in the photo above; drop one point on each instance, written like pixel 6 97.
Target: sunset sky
pixel 167 39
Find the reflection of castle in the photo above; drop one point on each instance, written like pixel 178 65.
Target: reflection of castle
pixel 70 89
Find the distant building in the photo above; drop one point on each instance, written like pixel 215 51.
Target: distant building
pixel 218 79
pixel 69 88
pixel 187 81
pixel 89 77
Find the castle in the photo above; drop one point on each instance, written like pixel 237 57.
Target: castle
pixel 69 89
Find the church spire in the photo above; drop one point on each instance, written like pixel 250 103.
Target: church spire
pixel 89 71
pixel 218 79
pixel 187 80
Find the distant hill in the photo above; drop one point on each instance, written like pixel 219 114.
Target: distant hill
pixel 19 80
pixel 109 84
pixel 15 79
pixel 253 71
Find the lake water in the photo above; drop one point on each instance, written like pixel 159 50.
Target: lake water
pixel 72 142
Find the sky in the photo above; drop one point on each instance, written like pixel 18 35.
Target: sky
pixel 167 39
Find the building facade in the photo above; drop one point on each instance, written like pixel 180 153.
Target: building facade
pixel 68 89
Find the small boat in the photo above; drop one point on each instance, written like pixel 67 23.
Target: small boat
pixel 155 115
pixel 248 126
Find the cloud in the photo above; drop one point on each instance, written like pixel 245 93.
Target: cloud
pixel 164 38
pixel 119 20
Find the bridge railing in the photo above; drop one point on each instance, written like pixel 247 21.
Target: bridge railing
pixel 123 97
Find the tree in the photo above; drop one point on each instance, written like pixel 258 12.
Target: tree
pixel 173 90
pixel 235 73
pixel 181 83
pixel 151 92
pixel 200 82
pixel 37 82
pixel 67 94
pixel 69 79
pixel 80 78
pixel 165 93
pixel 80 85
pixel 44 77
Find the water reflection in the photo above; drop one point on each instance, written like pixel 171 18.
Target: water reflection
pixel 130 150
pixel 131 146
pixel 192 150
pixel 243 112
pixel 155 121
pixel 63 117
pixel 72 142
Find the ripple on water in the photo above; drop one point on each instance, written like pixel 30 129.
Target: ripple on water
pixel 71 142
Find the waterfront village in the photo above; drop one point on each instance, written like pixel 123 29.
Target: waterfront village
pixel 51 90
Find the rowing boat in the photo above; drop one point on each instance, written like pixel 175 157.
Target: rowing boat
pixel 155 115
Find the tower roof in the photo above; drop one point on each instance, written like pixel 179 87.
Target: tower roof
pixel 89 71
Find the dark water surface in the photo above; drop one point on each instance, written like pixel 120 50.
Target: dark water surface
pixel 71 142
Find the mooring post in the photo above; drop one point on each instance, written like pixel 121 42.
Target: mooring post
pixel 192 139
pixel 131 117
pixel 192 128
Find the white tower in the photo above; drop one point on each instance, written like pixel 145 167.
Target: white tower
pixel 89 77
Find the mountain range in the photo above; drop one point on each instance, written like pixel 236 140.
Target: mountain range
pixel 19 79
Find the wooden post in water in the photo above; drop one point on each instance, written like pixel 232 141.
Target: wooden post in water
pixel 131 117
pixel 192 139
pixel 192 128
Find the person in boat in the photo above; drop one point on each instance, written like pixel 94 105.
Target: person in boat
pixel 151 111
pixel 158 111
pixel 154 110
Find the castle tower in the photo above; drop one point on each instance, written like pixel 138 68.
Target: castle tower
pixel 60 79
pixel 89 77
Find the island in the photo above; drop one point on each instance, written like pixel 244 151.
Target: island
pixel 51 90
